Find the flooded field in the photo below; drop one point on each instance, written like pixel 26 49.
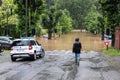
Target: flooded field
pixel 65 42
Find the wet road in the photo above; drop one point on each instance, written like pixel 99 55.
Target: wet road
pixel 94 66
pixel 54 66
pixel 59 65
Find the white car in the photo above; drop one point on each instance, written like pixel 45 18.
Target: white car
pixel 23 48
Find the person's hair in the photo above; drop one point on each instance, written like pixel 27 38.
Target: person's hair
pixel 76 39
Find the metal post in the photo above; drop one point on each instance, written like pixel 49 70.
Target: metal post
pixel 106 47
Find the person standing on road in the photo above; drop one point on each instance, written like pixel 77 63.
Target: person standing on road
pixel 77 49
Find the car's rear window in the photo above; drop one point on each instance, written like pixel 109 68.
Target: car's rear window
pixel 3 39
pixel 21 43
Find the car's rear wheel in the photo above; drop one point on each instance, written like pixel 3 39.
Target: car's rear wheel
pixel 13 59
pixel 34 57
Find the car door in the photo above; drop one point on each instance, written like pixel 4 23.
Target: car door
pixel 3 41
pixel 38 47
pixel 35 46
pixel 6 42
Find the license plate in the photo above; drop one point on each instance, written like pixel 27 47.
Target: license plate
pixel 20 50
pixel 24 55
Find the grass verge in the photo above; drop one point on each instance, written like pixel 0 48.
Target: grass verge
pixel 111 51
pixel 6 52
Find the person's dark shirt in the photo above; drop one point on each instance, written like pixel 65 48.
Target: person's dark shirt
pixel 77 47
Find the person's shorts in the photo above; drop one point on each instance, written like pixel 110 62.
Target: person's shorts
pixel 77 56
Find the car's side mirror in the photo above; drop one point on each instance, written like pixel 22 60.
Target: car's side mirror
pixel 39 44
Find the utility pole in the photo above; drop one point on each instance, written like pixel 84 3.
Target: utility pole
pixel 26 24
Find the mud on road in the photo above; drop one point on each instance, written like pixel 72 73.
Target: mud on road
pixel 56 65
pixel 59 65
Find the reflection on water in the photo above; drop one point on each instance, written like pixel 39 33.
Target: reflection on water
pixel 65 42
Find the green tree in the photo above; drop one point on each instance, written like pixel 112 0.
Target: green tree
pixel 50 19
pixel 7 17
pixel 56 20
pixel 92 23
pixel 65 23
pixel 109 9
pixel 28 15
pixel 78 10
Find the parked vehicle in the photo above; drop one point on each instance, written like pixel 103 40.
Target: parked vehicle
pixel 1 48
pixel 23 48
pixel 109 37
pixel 6 41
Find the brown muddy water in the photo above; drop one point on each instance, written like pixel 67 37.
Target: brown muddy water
pixel 65 42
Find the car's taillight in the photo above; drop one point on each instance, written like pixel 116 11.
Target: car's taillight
pixel 30 47
pixel 11 48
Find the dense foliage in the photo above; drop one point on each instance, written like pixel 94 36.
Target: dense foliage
pixel 18 18
pixel 7 18
pixel 92 22
pixel 56 20
pixel 78 10
pixel 28 15
pixel 110 10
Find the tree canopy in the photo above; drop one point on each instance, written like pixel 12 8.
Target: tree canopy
pixel 57 16
pixel 51 19
pixel 7 17
pixel 28 18
pixel 28 15
pixel 78 10
pixel 92 22
pixel 110 10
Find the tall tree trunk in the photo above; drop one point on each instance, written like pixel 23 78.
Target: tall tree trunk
pixel 26 14
pixel 49 34
pixel 102 37
pixel 113 40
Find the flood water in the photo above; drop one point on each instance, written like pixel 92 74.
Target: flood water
pixel 65 42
